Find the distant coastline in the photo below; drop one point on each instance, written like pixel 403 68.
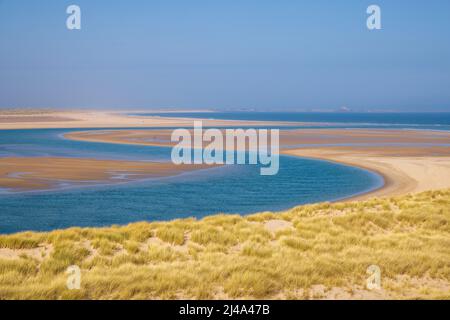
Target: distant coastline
pixel 412 120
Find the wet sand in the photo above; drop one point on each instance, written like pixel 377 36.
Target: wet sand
pixel 38 119
pixel 409 160
pixel 288 138
pixel 404 170
pixel 160 138
pixel 25 174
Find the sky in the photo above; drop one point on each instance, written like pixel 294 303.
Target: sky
pixel 276 55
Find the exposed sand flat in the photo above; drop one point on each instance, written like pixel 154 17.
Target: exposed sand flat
pixel 18 174
pixel 36 119
pixel 362 136
pixel 288 138
pixel 27 119
pixel 405 170
pixel 138 137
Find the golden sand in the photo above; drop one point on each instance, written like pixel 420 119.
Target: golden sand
pixel 43 173
pixel 36 119
pixel 288 138
pixel 405 169
pixel 402 173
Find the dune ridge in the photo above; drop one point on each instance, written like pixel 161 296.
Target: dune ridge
pixel 319 251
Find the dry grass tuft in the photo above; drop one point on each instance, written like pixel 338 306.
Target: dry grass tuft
pixel 324 253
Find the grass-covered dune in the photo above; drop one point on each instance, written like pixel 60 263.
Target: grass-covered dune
pixel 313 251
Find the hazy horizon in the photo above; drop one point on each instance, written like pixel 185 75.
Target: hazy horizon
pixel 296 56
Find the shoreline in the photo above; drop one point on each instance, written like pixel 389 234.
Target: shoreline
pixel 113 119
pixel 399 167
pixel 79 136
pixel 375 150
pixel 387 181
pixel 25 174
pixel 401 175
pixel 181 249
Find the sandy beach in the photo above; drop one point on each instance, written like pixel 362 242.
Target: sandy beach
pixel 408 160
pixel 24 174
pixel 232 158
pixel 289 138
pixel 36 119
pixel 402 173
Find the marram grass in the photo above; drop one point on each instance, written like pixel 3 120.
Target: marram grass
pixel 323 251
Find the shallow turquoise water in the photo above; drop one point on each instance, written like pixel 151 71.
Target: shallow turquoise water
pixel 230 189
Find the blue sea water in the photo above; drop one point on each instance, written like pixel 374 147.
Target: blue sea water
pixel 229 189
pixel 428 121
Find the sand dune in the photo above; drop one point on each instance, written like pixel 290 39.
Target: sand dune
pixel 319 251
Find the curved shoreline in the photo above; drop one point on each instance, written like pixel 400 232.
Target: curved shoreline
pixel 366 227
pixel 401 168
pixel 37 174
pixel 353 157
pixel 401 174
pixel 387 181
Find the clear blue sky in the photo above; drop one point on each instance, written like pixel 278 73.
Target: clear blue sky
pixel 259 54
